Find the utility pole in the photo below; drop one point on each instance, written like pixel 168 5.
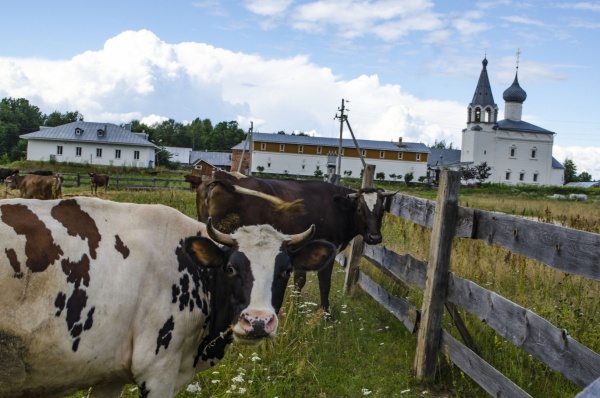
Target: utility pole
pixel 344 119
pixel 248 140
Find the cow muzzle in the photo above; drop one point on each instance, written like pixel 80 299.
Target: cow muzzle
pixel 373 239
pixel 254 326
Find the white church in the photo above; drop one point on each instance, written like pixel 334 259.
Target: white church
pixel 517 152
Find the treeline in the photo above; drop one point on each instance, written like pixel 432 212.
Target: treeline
pixel 18 116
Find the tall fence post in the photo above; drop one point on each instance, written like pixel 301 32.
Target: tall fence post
pixel 357 245
pixel 434 295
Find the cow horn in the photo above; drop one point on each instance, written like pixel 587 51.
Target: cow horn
pixel 218 236
pixel 386 194
pixel 301 237
pixel 355 195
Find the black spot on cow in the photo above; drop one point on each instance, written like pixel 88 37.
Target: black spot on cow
pixel 176 291
pixel 212 348
pixel 165 334
pixel 121 247
pixel 90 319
pixel 78 271
pixel 78 222
pixel 14 263
pixel 184 298
pixel 40 248
pixel 60 302
pixel 144 391
pixel 75 345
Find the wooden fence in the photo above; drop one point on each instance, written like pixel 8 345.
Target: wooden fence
pixel 565 249
pixel 126 182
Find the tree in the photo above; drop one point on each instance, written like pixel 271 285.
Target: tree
pixel 318 173
pixel 260 169
pixel 393 176
pixel 584 177
pixel 466 173
pixel 441 145
pixel 570 171
pixel 380 176
pixel 348 173
pixel 17 117
pixel 408 177
pixel 482 172
pixel 58 119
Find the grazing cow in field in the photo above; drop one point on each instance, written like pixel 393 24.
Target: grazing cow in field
pixel 4 173
pixel 194 180
pixel 33 186
pixel 98 180
pixel 338 213
pixel 101 294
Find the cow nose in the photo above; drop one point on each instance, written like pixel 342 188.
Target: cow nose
pixel 373 239
pixel 258 324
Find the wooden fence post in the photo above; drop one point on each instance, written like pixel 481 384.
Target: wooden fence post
pixel 357 244
pixel 434 295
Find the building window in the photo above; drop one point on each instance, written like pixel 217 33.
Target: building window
pixel 303 166
pixel 319 150
pixel 507 177
pixel 281 147
pixel 136 155
pixel 521 176
pixel 363 152
pixel 77 151
pixel 513 151
pixel 533 152
pixel 98 152
pixel 399 155
pixel 78 131
pixel 300 148
pixel 477 114
pixel 382 154
pixel 268 165
pixel 100 133
pixel 535 177
pixel 59 150
pixel 117 154
pixel 318 167
pixel 263 146
pixel 418 156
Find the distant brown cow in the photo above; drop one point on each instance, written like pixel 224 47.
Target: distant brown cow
pixel 33 186
pixel 194 180
pixel 98 180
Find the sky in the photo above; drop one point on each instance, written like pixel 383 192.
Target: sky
pixel 404 68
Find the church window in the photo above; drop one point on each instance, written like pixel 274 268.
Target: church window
pixel 488 115
pixel 513 151
pixel 484 152
pixel 477 114
pixel 533 152
pixel 507 176
pixel 535 177
pixel 521 176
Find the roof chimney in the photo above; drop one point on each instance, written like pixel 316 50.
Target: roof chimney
pixel 400 141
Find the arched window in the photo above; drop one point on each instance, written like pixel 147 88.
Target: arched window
pixel 478 114
pixel 513 151
pixel 488 115
pixel 533 152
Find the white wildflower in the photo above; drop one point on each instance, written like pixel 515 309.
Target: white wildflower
pixel 215 381
pixel 404 391
pixel 366 391
pixel 242 390
pixel 193 388
pixel 238 379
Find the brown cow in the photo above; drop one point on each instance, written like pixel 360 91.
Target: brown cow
pixel 338 213
pixel 33 186
pixel 98 180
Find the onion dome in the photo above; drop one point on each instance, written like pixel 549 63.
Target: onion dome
pixel 515 93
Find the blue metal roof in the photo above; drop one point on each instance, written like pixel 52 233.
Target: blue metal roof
pixel 556 164
pixel 113 134
pixel 512 125
pixel 334 142
pixel 212 158
pixel 440 157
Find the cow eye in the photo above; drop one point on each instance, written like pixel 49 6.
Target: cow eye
pixel 230 269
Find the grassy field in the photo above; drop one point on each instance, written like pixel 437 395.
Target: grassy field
pixel 362 350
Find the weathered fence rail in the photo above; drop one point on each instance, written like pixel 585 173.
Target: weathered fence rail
pixel 565 249
pixel 125 182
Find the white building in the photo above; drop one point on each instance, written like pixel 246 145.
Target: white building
pixel 301 156
pixel 92 143
pixel 518 152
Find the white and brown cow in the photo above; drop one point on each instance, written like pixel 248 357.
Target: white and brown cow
pixel 98 293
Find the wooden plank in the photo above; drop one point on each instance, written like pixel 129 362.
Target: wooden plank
pixel 403 268
pixel 356 250
pixel 528 331
pixel 434 294
pixel 484 374
pixel 566 249
pixel 591 391
pixel 421 211
pixel 397 306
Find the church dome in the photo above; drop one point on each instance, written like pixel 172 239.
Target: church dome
pixel 515 93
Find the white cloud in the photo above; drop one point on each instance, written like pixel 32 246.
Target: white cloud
pixel 584 158
pixel 268 7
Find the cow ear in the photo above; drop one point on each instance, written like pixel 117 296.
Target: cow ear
pixel 344 202
pixel 204 252
pixel 313 256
